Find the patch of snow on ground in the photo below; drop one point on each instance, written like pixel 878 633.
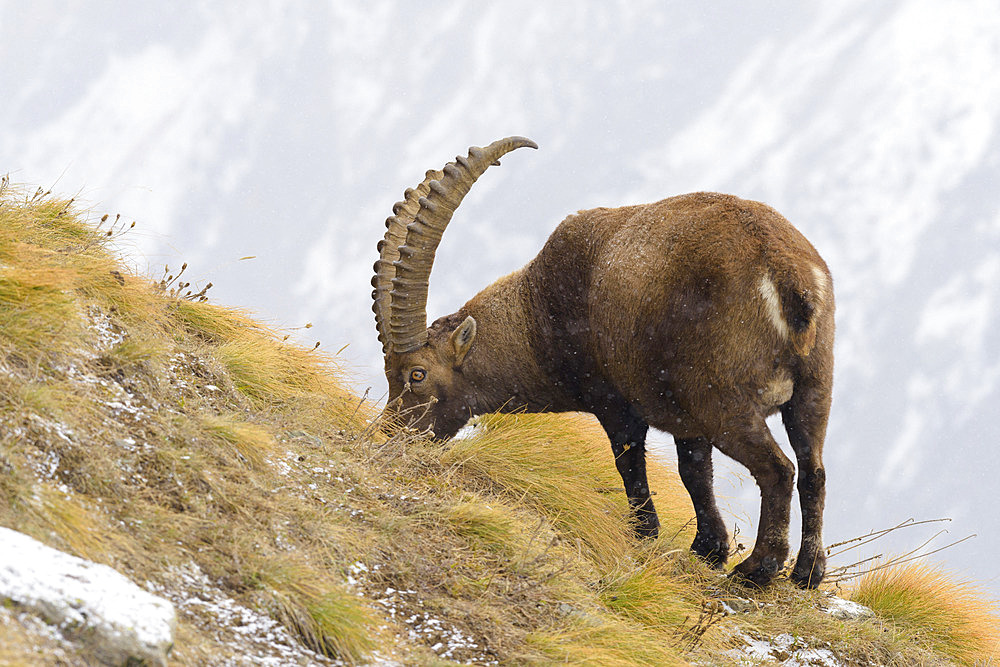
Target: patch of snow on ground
pixel 444 639
pixel 81 596
pixel 784 650
pixel 123 401
pixel 108 335
pixel 470 430
pixel 406 609
pixel 252 635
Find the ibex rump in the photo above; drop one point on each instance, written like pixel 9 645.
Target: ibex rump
pixel 699 315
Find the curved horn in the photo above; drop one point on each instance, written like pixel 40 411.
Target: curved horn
pixel 408 306
pixel 388 248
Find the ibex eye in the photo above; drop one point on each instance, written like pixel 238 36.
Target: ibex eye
pixel 417 375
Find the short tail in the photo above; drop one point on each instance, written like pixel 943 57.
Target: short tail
pixel 804 294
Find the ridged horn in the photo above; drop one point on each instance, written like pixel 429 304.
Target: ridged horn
pixel 388 248
pixel 408 305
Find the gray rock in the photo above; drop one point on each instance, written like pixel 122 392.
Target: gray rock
pixel 120 620
pixel 845 610
pixel 737 605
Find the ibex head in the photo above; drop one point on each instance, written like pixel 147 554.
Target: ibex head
pixel 424 365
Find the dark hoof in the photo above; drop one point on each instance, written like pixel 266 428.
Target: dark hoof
pixel 712 550
pixel 648 526
pixel 809 570
pixel 756 573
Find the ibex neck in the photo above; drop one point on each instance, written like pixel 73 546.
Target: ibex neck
pixel 502 365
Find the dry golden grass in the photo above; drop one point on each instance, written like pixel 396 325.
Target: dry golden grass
pixel 126 438
pixel 250 442
pixel 82 530
pixel 948 615
pixel 561 464
pixel 29 642
pixel 204 454
pixel 329 619
pixel 556 462
pixel 481 523
pixel 584 641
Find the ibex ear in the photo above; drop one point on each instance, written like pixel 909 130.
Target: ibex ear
pixel 461 339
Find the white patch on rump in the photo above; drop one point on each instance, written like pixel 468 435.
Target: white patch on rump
pixel 822 282
pixel 772 304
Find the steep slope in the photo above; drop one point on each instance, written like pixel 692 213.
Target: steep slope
pixel 872 126
pixel 226 469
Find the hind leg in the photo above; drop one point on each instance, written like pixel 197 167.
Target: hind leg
pixel 805 418
pixel 752 445
pixel 694 463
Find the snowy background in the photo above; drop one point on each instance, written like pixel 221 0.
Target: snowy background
pixel 285 131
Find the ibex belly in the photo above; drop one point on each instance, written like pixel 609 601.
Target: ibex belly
pixel 689 365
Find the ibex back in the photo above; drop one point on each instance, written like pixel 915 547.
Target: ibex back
pixel 699 315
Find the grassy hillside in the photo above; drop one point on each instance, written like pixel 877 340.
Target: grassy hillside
pixel 227 469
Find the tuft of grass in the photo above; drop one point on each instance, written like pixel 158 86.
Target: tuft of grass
pixel 590 639
pixel 484 524
pixel 135 352
pixel 948 615
pixel 331 620
pixel 251 442
pixel 650 594
pixel 214 323
pixel 38 318
pixel 54 268
pixel 52 400
pixel 542 459
pixel 81 530
pixel 270 371
pixel 562 464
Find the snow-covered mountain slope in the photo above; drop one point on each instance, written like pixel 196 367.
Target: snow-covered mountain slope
pixel 287 132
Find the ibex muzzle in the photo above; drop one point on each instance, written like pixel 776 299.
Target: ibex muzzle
pixel 699 315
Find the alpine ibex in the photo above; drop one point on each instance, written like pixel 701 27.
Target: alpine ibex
pixel 699 315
